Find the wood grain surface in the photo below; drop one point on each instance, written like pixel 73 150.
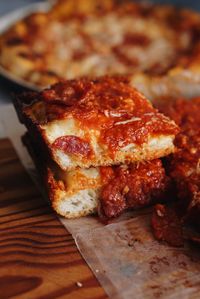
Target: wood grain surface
pixel 39 258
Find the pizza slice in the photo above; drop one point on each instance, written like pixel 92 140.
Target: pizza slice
pixel 98 122
pixel 108 190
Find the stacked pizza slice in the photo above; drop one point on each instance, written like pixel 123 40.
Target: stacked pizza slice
pixel 97 144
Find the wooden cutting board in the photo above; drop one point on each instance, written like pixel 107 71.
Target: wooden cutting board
pixel 39 258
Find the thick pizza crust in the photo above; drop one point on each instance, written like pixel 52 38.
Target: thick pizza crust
pixel 77 193
pixel 98 122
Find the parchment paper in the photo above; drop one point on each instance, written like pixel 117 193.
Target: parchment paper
pixel 123 255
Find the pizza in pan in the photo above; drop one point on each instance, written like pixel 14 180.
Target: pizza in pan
pixel 158 46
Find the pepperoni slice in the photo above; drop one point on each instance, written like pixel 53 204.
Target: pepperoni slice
pixel 73 145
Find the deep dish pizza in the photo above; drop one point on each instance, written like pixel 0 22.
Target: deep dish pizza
pixel 95 108
pixel 98 122
pixel 157 45
pixel 97 144
pixel 106 190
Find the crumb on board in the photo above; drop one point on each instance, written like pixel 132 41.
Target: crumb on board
pixel 79 284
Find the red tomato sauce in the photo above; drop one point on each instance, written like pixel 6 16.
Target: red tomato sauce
pixel 133 186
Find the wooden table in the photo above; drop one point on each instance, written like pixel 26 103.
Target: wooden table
pixel 38 257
